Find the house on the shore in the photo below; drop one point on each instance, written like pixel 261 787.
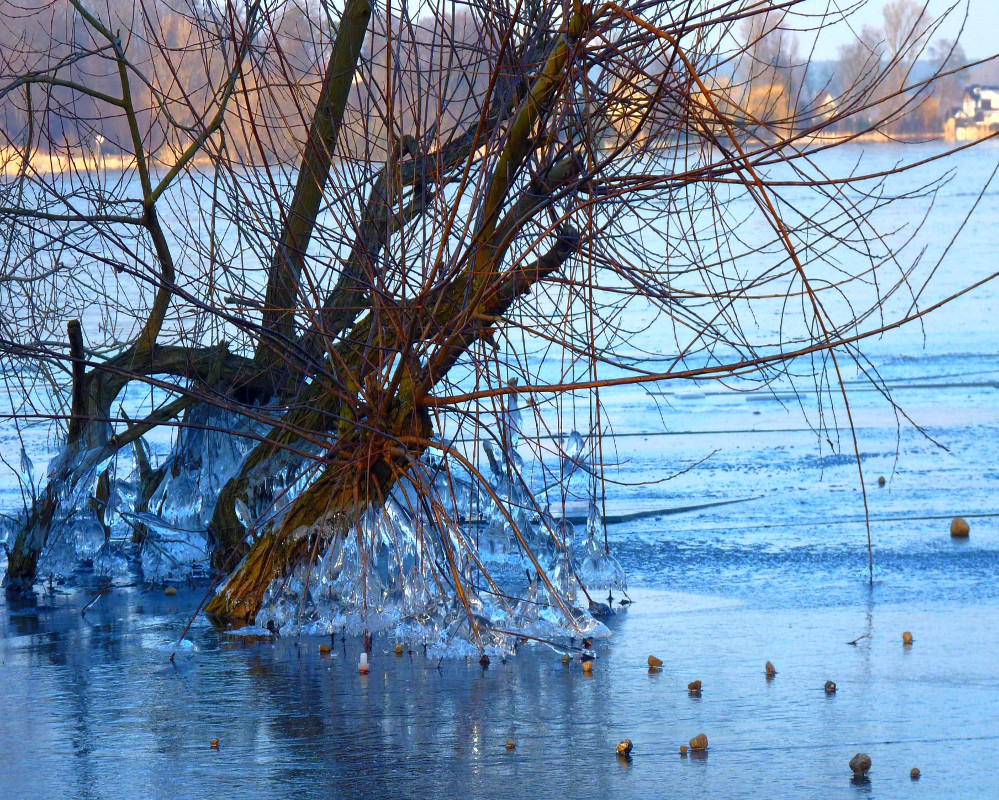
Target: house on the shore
pixel 978 115
pixel 820 110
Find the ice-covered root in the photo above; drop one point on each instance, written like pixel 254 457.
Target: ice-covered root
pixel 270 557
pixel 276 553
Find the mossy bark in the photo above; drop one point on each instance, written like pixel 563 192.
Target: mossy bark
pixel 22 557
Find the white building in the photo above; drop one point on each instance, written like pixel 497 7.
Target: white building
pixel 978 115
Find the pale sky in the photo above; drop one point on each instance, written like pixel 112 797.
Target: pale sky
pixel 980 37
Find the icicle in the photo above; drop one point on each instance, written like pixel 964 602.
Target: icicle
pixel 27 468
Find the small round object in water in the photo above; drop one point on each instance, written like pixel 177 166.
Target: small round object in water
pixel 830 687
pixel 914 773
pixel 655 662
pixel 881 481
pixel 624 747
pixel 699 742
pixel 860 764
pixel 959 528
pixel 511 744
pixel 906 637
pixel 170 591
pixel 771 670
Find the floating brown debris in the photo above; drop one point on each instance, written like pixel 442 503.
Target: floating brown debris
pixel 694 687
pixel 170 591
pixel 683 750
pixel 881 481
pixel 914 773
pixel 324 649
pixel 588 665
pixel 511 744
pixel 771 670
pixel 655 662
pixel 624 747
pixel 565 658
pixel 398 649
pixel 214 744
pixel 699 742
pixel 906 637
pixel 860 764
pixel 830 687
pixel 959 528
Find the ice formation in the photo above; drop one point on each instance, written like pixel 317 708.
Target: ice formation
pixel 103 520
pixel 442 564
pixel 459 563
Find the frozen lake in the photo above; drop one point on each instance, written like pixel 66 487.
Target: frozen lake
pixel 94 708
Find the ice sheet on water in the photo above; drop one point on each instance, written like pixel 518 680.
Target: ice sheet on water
pixel 248 631
pixel 185 648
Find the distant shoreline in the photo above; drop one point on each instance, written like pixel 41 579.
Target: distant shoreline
pixel 11 160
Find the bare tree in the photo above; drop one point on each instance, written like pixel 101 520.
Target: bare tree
pixel 770 71
pixel 885 60
pixel 332 335
pixel 947 57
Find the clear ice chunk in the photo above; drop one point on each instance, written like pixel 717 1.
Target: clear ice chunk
pixel 598 569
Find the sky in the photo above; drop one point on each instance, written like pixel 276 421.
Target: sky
pixel 980 37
